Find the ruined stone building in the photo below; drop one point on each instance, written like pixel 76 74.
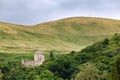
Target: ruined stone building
pixel 38 60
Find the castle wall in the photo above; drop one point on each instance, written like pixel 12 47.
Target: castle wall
pixel 38 60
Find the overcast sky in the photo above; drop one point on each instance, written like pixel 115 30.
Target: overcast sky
pixel 30 12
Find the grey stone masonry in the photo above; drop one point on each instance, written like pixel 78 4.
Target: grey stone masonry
pixel 38 60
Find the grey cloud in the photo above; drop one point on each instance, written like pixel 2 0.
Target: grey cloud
pixel 25 12
pixel 38 11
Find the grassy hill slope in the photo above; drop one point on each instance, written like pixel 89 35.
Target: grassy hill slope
pixel 61 35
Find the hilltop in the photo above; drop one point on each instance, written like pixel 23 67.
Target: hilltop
pixel 62 35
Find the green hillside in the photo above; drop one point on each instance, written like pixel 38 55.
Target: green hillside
pixel 61 35
pixel 100 61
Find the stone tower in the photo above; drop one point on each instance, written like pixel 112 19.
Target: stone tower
pixel 38 60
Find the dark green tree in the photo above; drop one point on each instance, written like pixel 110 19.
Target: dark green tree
pixel 116 70
pixel 1 75
pixel 45 75
pixel 51 56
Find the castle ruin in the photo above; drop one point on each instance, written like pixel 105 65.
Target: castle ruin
pixel 38 60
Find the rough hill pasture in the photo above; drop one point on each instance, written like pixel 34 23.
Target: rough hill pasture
pixel 62 35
